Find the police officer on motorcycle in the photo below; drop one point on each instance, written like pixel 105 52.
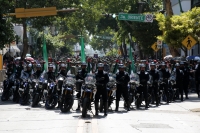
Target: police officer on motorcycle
pixel 164 76
pixel 38 71
pixel 62 71
pixel 154 88
pixel 186 77
pixel 179 79
pixel 80 75
pixel 102 79
pixel 49 75
pixel 122 78
pixel 144 79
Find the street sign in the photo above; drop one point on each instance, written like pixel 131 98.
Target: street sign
pixel 189 42
pixel 136 17
pixel 154 47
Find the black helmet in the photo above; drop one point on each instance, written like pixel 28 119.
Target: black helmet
pixel 142 65
pixel 100 65
pixel 177 64
pixel 50 65
pixel 83 64
pixel 152 64
pixel 163 64
pixel 62 65
pixel 38 66
pixel 121 66
pixel 182 63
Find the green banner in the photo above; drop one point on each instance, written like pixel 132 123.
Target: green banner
pixel 82 50
pixel 45 56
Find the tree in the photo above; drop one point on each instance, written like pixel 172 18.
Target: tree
pixel 6 27
pixel 177 27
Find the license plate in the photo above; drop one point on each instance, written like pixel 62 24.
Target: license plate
pixel 20 89
pixel 45 91
pixel 31 90
pixel 160 90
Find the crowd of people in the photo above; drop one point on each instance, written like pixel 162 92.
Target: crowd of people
pixel 153 76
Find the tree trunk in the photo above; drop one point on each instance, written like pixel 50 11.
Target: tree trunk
pixel 169 12
pixel 124 47
pixel 25 40
pixel 121 49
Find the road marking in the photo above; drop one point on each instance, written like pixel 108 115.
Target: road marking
pixel 80 127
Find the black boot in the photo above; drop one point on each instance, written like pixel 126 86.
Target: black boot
pixel 96 108
pixel 128 105
pixel 105 104
pixel 117 105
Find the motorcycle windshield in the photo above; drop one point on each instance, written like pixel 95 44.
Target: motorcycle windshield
pixel 24 76
pixel 42 78
pixel 134 77
pixel 90 79
pixel 60 77
pixel 70 79
pixel 12 77
pixel 173 76
pixel 112 78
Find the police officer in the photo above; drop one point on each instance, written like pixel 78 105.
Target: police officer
pixel 80 75
pixel 164 76
pixel 155 76
pixel 62 71
pixel 102 79
pixel 49 75
pixel 122 78
pixel 197 78
pixel 9 70
pixel 38 71
pixel 179 79
pixel 144 79
pixel 186 77
pixel 29 69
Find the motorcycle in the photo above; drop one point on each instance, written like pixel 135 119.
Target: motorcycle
pixel 67 93
pixel 25 89
pixel 51 96
pixel 111 88
pixel 40 85
pixel 174 91
pixel 9 87
pixel 88 91
pixel 139 97
pixel 134 82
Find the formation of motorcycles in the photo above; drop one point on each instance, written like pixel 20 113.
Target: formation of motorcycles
pixel 31 90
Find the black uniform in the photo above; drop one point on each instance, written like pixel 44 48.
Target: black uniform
pixel 164 74
pixel 80 75
pixel 144 78
pixel 122 79
pixel 50 76
pixel 37 73
pixel 154 88
pixel 102 79
pixel 186 80
pixel 63 73
pixel 197 79
pixel 179 81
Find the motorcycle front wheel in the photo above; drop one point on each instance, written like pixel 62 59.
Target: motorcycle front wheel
pixel 66 104
pixel 51 102
pixel 5 96
pixel 84 108
pixel 36 100
pixel 24 100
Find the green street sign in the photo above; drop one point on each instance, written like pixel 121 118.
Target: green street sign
pixel 136 17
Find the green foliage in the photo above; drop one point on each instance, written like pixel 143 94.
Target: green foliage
pixel 178 27
pixel 6 28
pixel 112 52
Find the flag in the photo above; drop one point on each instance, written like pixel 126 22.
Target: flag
pixel 82 50
pixel 88 67
pixel 132 60
pixel 115 68
pixel 45 56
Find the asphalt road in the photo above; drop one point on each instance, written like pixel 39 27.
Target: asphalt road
pixel 183 117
